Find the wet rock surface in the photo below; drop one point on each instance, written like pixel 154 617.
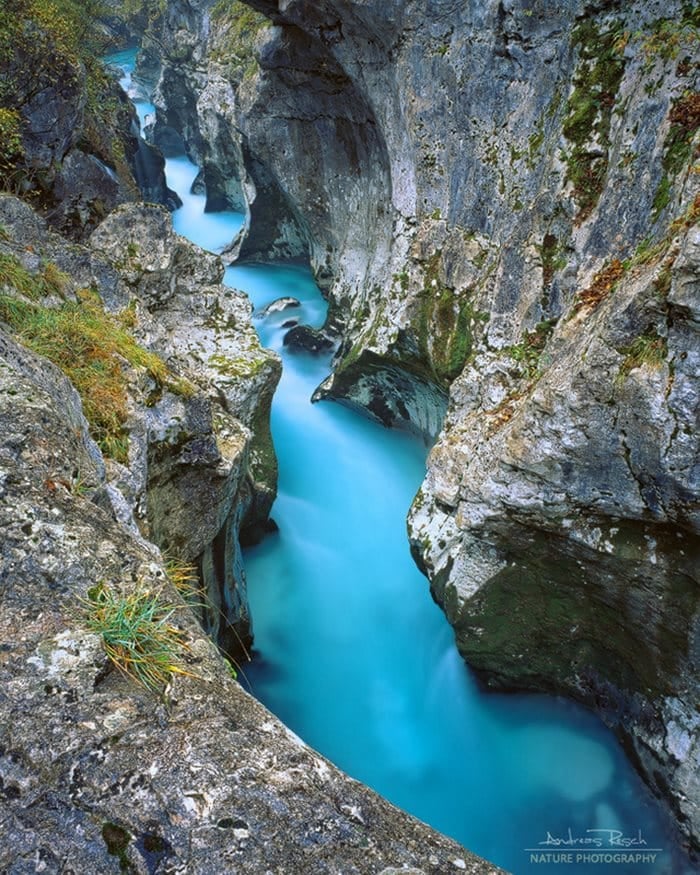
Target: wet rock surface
pixel 303 338
pixel 278 305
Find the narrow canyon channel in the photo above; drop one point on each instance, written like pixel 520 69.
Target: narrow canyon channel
pixel 353 655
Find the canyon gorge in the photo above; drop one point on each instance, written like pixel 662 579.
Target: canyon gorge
pixel 499 202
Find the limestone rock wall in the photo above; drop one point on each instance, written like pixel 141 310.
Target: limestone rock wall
pixel 100 775
pixel 501 202
pixel 198 464
pixel 70 138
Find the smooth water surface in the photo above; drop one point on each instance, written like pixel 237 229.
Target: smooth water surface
pixel 354 656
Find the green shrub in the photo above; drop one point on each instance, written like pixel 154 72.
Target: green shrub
pixel 11 150
pixel 647 349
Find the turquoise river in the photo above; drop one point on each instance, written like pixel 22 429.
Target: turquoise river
pixel 353 655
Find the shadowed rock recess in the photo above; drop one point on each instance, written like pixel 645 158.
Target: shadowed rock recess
pixel 501 201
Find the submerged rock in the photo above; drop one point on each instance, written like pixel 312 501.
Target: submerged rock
pixel 278 305
pixel 303 338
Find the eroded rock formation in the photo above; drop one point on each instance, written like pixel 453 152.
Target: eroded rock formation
pixel 501 201
pixel 194 463
pixel 98 775
pixel 70 137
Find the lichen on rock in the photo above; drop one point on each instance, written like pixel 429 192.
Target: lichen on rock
pixel 499 201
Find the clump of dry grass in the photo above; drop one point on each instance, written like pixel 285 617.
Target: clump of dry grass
pixel 92 348
pixel 137 633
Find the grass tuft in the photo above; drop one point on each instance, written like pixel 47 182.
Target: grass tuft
pixel 185 578
pixel 137 633
pixel 528 353
pixel 684 119
pixel 647 349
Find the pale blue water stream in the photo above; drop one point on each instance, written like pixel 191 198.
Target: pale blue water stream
pixel 354 656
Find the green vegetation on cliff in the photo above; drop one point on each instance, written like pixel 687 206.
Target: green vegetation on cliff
pixel 136 10
pixel 50 55
pixel 684 119
pixel 11 150
pixel 589 109
pixel 90 346
pixel 137 632
pixel 446 324
pixel 235 47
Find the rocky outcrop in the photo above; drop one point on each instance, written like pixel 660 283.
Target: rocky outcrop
pixel 214 452
pixel 498 199
pixel 100 775
pixel 558 521
pixel 303 338
pixel 197 439
pixel 71 141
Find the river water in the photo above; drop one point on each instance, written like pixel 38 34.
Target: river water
pixel 354 656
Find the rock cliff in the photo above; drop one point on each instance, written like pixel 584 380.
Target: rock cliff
pixel 195 437
pixel 70 137
pixel 501 201
pixel 99 775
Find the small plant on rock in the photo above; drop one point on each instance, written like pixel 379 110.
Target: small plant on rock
pixel 137 632
pixel 648 349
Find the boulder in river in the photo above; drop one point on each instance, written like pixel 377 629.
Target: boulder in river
pixel 303 338
pixel 278 305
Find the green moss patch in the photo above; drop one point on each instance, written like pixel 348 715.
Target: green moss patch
pixel 589 109
pixel 552 257
pixel 678 147
pixel 236 44
pixel 445 326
